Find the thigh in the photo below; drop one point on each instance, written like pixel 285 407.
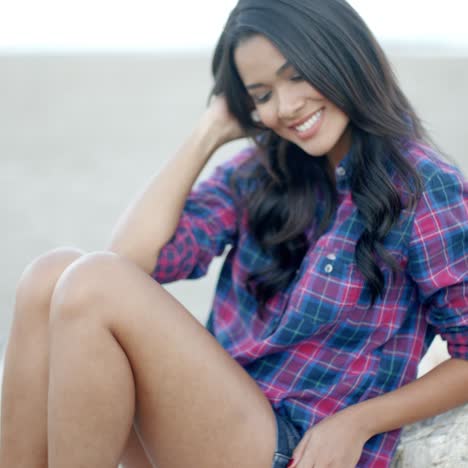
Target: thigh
pixel 195 405
pixel 38 280
pixel 33 295
pixel 134 455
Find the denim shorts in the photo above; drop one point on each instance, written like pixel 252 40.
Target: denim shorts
pixel 287 439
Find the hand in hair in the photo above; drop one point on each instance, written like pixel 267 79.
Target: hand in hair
pixel 220 122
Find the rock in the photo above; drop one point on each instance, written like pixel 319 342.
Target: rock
pixel 441 441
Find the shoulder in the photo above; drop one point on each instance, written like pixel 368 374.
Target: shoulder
pixel 434 171
pixel 438 248
pixel 230 177
pixel 442 209
pixel 246 159
pixel 219 171
pixel 240 170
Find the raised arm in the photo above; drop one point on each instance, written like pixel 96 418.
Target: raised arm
pixel 151 218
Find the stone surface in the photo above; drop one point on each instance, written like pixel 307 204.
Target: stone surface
pixel 440 442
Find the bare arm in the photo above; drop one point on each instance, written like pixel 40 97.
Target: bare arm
pixel 152 217
pixel 443 388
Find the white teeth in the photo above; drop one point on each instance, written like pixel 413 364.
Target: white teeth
pixel 310 123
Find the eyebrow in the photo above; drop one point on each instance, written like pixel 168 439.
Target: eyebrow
pixel 280 70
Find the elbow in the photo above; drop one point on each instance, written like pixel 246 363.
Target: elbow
pixel 144 260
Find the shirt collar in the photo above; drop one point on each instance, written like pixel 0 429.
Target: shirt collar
pixel 343 169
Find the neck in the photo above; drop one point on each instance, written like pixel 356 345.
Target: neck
pixel 341 149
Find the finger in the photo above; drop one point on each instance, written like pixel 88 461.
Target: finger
pixel 298 452
pixel 307 461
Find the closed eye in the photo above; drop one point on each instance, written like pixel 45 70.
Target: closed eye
pixel 297 77
pixel 262 98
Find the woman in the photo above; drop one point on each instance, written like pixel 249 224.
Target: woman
pixel 349 252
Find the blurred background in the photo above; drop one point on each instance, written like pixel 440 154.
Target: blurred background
pixel 95 95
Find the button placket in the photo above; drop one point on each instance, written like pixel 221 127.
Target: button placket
pixel 329 266
pixel 340 171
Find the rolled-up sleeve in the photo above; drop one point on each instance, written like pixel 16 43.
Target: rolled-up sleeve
pixel 438 258
pixel 208 224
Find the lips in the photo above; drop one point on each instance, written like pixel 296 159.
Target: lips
pixel 310 126
pixel 304 120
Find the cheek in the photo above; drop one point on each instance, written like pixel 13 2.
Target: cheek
pixel 268 116
pixel 341 120
pixel 338 114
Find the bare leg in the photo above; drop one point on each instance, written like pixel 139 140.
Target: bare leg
pixel 23 441
pixel 123 348
pixel 134 455
pixel 24 391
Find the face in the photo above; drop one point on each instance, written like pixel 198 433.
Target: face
pixel 289 105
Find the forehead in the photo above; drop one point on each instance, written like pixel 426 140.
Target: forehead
pixel 257 57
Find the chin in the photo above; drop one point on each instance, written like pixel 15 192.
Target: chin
pixel 313 150
pixel 315 154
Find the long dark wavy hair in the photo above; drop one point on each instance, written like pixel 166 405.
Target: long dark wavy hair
pixel 331 46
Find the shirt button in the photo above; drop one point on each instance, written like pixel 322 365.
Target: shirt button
pixel 340 171
pixel 328 268
pixel 331 256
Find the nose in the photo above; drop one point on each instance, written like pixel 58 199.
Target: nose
pixel 289 106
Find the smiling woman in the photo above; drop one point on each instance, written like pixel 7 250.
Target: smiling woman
pixel 348 251
pixel 288 104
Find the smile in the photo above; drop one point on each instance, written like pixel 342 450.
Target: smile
pixel 308 129
pixel 309 123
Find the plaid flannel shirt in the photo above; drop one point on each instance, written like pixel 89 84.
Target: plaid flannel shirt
pixel 320 346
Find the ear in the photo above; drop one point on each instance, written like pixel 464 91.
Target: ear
pixel 254 115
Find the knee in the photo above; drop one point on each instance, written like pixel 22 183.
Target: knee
pixel 84 284
pixel 37 282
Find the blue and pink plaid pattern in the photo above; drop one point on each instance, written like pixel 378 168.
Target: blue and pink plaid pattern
pixel 320 345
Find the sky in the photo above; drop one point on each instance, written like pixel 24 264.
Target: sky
pixel 165 25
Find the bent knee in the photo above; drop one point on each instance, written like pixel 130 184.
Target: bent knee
pixel 38 280
pixel 85 283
